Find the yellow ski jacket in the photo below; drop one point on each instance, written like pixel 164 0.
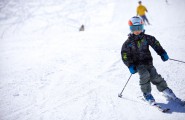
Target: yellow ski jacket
pixel 141 10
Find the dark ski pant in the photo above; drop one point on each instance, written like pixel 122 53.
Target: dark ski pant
pixel 148 75
pixel 145 19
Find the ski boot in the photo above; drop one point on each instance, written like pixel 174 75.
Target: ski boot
pixel 149 98
pixel 168 93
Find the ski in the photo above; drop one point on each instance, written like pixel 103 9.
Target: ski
pixel 164 110
pixel 153 104
pixel 156 105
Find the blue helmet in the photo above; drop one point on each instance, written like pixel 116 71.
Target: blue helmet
pixel 136 24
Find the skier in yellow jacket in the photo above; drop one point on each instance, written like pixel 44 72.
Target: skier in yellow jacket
pixel 141 9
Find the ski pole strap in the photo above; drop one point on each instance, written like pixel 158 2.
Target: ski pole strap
pixel 177 60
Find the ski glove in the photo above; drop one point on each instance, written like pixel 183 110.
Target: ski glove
pixel 132 69
pixel 164 56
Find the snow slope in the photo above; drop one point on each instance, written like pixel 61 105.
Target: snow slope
pixel 51 71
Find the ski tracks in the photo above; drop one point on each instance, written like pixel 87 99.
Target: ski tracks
pixel 99 104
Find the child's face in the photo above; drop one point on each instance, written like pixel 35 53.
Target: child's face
pixel 137 32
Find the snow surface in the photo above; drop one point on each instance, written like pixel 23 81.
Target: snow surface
pixel 51 71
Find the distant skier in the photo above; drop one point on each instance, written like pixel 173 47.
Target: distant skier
pixel 82 28
pixel 141 9
pixel 137 57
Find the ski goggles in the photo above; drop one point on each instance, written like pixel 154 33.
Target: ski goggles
pixel 136 28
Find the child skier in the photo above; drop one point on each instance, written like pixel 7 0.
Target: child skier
pixel 137 57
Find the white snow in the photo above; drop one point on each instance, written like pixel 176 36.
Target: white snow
pixel 51 71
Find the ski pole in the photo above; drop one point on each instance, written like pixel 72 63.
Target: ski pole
pixel 177 60
pixel 120 95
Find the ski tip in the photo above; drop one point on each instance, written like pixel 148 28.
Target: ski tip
pixel 166 110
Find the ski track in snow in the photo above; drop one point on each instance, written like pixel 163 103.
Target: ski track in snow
pixel 51 71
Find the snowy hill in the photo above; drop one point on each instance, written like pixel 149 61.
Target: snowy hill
pixel 51 71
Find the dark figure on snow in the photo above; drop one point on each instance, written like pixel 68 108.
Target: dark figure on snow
pixel 141 9
pixel 82 28
pixel 137 57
